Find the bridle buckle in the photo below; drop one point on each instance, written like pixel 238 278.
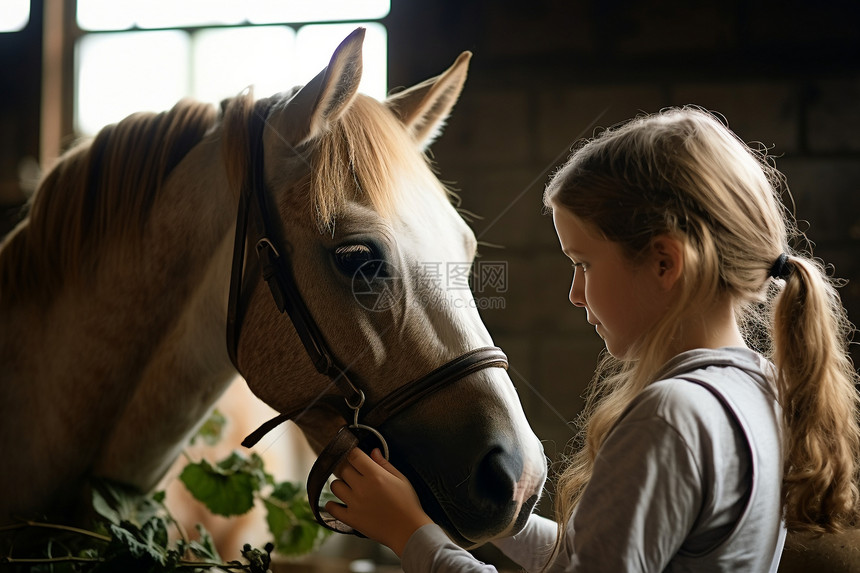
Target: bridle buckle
pixel 358 426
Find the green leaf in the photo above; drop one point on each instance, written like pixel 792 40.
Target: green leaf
pixel 89 553
pixel 118 502
pixel 289 491
pixel 205 547
pixel 105 508
pixel 237 462
pixel 291 521
pixel 212 429
pixel 227 488
pixel 146 544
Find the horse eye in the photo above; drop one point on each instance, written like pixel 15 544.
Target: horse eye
pixel 351 259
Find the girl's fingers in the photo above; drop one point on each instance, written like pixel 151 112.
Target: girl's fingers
pixel 367 465
pixel 359 461
pixel 341 489
pixel 337 510
pixel 348 472
pixel 379 459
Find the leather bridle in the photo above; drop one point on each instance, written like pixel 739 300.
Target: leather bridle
pixel 276 270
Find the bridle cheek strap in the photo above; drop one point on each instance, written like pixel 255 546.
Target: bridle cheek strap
pixel 325 465
pixel 256 226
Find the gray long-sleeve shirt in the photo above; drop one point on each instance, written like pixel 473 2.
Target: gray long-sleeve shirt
pixel 688 480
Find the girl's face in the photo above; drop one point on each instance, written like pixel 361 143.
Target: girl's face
pixel 622 299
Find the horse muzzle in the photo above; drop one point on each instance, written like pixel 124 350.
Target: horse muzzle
pixel 478 474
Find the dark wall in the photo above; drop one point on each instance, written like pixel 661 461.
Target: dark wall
pixel 548 72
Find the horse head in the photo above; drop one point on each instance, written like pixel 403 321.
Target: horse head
pixel 365 227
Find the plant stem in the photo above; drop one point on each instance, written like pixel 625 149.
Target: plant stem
pixel 228 566
pixel 74 559
pixel 39 524
pixel 63 559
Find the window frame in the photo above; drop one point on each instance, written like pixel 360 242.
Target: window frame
pixel 63 32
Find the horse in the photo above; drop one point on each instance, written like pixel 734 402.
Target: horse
pixel 116 292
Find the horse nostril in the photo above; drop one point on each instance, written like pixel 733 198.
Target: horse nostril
pixel 495 478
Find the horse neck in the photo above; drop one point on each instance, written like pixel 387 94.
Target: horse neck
pixel 120 371
pixel 188 368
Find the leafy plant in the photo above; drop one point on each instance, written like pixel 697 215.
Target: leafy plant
pixel 231 487
pixel 211 430
pixel 228 487
pixel 130 530
pixel 130 533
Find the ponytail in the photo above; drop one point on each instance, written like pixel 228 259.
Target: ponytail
pixel 816 382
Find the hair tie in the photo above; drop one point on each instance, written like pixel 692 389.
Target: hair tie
pixel 780 269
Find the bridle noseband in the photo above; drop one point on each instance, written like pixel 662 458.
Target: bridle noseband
pixel 276 270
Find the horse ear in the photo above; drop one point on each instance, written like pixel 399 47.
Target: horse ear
pixel 423 108
pixel 321 101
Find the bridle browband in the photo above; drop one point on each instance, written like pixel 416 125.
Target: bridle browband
pixel 276 270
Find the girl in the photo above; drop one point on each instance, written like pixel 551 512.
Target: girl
pixel 698 453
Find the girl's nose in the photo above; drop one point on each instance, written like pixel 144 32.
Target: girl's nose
pixel 577 289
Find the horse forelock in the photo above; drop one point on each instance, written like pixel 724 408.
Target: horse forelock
pixel 367 156
pixel 364 155
pixel 99 192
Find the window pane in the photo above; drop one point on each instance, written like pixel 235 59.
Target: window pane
pixel 120 73
pixel 107 14
pixel 277 11
pixel 176 14
pixel 125 14
pixel 15 15
pixel 228 60
pixel 315 44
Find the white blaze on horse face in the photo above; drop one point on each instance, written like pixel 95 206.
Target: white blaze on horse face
pixel 439 250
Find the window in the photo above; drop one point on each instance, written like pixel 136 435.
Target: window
pixel 15 15
pixel 144 55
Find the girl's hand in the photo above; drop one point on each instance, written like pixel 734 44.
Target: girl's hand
pixel 377 500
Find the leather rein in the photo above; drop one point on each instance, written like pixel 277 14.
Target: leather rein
pixel 275 267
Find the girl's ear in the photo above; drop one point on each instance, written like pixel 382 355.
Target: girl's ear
pixel 667 260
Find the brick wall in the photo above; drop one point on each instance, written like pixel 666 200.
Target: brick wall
pixel 547 72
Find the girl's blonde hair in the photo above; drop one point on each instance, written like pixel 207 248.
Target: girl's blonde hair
pixel 682 172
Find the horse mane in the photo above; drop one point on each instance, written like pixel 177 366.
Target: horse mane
pixel 364 155
pixel 100 191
